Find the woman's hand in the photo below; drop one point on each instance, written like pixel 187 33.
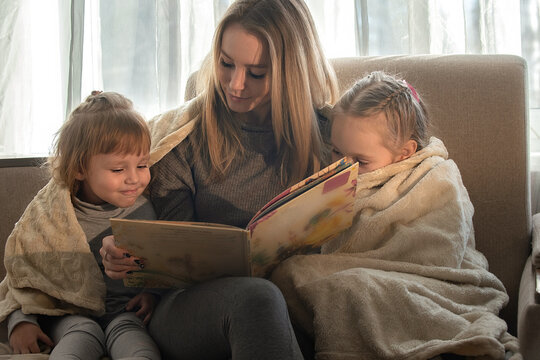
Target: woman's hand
pixel 117 262
pixel 145 302
pixel 25 336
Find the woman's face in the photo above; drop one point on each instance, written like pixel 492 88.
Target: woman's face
pixel 244 71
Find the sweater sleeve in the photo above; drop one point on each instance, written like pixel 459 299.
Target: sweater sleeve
pixel 17 317
pixel 172 188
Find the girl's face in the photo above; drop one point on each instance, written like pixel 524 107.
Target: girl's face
pixel 362 138
pixel 114 178
pixel 244 71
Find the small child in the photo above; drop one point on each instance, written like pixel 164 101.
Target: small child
pixel 101 156
pixel 379 121
pixel 411 243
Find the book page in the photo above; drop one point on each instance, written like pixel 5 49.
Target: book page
pixel 303 186
pixel 304 223
pixel 177 254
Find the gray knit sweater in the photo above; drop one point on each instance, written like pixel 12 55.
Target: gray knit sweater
pixel 180 189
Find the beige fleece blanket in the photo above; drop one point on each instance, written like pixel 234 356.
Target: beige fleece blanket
pixel 405 281
pixel 50 269
pixel 49 266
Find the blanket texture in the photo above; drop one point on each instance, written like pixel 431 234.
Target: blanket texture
pixel 405 281
pixel 50 269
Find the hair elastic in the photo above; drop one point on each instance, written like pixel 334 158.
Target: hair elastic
pixel 414 93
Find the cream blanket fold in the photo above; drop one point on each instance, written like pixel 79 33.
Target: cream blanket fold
pixel 50 269
pixel 405 281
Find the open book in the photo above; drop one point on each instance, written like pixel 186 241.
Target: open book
pixel 297 221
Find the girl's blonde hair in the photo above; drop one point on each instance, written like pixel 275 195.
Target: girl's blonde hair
pixel 405 111
pixel 302 81
pixel 104 123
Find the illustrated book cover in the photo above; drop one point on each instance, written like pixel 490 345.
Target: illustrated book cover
pixel 297 221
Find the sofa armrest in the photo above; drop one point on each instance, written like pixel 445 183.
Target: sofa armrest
pixel 529 313
pixel 535 256
pixel 536 240
pixel 529 299
pixel 537 286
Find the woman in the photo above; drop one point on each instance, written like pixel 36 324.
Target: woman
pixel 253 130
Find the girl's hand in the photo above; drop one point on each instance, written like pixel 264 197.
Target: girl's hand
pixel 117 262
pixel 145 302
pixel 25 336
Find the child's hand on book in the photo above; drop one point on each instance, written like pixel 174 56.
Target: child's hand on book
pixel 118 262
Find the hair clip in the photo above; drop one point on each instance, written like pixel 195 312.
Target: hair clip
pixel 414 93
pixel 96 92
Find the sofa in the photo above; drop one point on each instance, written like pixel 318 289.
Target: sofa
pixel 478 104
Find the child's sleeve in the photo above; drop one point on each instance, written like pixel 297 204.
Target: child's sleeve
pixel 18 317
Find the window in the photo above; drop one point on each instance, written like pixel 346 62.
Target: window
pixel 55 52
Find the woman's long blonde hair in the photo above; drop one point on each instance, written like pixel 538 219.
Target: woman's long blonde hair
pixel 302 81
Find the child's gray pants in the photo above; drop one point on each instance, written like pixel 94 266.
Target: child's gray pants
pixel 79 337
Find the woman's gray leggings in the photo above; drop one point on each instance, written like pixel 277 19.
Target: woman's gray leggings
pixel 238 318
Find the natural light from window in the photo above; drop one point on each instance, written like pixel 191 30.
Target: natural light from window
pixel 128 43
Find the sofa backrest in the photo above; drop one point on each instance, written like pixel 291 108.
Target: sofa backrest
pixel 20 181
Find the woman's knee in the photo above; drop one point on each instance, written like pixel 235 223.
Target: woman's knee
pixel 257 293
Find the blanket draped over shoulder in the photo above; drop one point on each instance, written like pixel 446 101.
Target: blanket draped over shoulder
pixel 50 268
pixel 405 281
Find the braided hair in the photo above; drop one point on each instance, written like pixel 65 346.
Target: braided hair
pixel 405 111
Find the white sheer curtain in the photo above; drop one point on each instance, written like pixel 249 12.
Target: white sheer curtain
pixel 54 52
pixel 146 49
pixel 33 60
